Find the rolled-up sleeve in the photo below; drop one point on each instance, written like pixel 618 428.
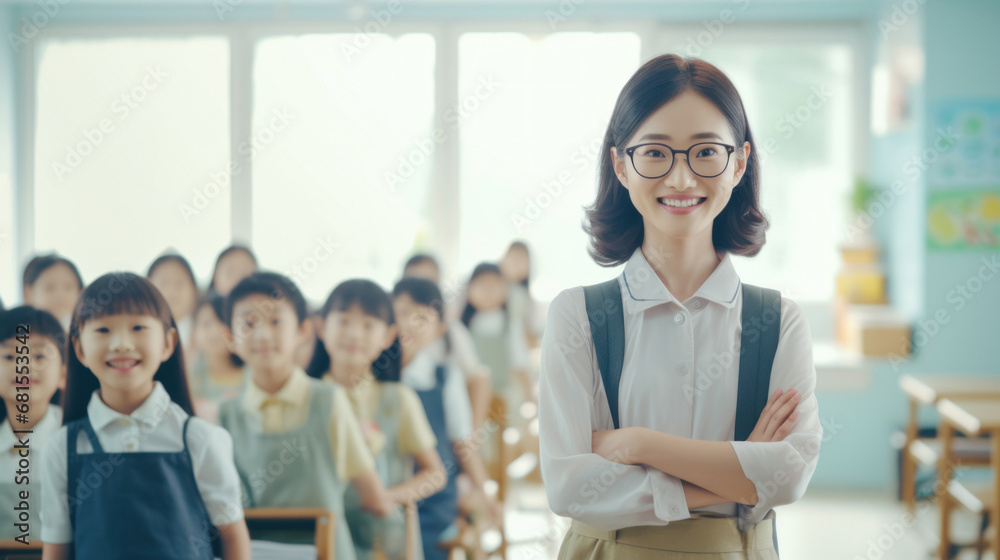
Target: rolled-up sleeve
pixel 579 483
pixel 781 470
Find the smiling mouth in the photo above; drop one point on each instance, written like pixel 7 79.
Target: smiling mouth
pixel 122 365
pixel 682 203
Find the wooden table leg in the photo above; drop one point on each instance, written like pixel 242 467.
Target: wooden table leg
pixel 947 434
pixel 909 475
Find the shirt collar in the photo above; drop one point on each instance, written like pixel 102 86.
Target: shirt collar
pixel 48 424
pixel 149 413
pixel 643 288
pixel 295 392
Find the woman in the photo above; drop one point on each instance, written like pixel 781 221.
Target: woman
pixel 678 194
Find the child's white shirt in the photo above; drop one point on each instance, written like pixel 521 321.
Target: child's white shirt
pixel 493 323
pixel 156 426
pixel 9 447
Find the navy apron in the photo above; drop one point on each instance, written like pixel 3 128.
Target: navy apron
pixel 124 506
pixel 438 512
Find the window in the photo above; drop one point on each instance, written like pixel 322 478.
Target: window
pixel 342 144
pixel 124 164
pixel 535 112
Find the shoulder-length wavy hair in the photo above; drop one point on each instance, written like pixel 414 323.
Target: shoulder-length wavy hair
pixel 614 225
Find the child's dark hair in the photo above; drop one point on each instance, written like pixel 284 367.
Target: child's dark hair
pixel 40 324
pixel 36 266
pixel 614 225
pixel 375 302
pixel 119 293
pixel 217 304
pixel 173 257
pixel 423 292
pixel 420 258
pixel 225 253
pixel 271 284
pixel 470 310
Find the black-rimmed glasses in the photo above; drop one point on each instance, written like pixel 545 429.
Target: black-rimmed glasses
pixel 653 161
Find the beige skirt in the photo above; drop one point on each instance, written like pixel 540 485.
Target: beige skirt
pixel 704 536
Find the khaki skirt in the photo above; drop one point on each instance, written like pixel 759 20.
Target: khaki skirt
pixel 705 536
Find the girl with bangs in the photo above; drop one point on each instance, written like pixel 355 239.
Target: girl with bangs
pixel 132 473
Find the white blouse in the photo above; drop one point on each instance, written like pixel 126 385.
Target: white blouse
pixel 156 426
pixel 679 377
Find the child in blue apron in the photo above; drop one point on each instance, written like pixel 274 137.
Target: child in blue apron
pixel 417 304
pixel 32 370
pixel 359 334
pixel 132 474
pixel 297 443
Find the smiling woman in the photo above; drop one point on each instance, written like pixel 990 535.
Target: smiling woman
pixel 691 455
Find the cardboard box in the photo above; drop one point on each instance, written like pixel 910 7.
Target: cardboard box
pixel 877 331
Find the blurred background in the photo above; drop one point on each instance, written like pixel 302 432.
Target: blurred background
pixel 339 138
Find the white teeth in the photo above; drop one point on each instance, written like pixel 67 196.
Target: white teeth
pixel 123 363
pixel 679 203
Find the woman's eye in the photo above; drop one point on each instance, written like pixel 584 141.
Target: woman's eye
pixel 706 152
pixel 653 152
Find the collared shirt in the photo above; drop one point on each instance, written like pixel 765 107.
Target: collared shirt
pixel 679 377
pixel 419 375
pixel 156 426
pixel 414 434
pixel 10 453
pixel 493 323
pixel 288 409
pixel 462 354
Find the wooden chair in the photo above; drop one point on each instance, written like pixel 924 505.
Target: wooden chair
pixel 323 524
pixel 928 391
pixel 13 550
pixel 977 498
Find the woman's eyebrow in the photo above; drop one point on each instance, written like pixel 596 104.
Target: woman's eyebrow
pixel 699 136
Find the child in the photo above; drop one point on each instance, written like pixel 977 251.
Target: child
pixel 285 418
pixel 455 348
pixel 218 375
pixel 359 330
pixel 516 269
pixel 53 284
pixel 499 339
pixel 132 474
pixel 418 308
pixel 32 370
pixel 233 264
pixel 172 275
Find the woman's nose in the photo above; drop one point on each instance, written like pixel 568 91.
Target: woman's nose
pixel 680 177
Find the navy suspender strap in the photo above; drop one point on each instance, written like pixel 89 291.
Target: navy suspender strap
pixel 761 318
pixel 607 328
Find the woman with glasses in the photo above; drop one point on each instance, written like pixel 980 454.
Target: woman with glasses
pixel 687 412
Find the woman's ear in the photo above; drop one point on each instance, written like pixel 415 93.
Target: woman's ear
pixel 743 158
pixel 618 163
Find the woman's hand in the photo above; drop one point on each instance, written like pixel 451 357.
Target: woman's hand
pixel 620 446
pixel 778 417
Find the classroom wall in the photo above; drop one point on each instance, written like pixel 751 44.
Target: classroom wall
pixel 960 45
pixel 8 155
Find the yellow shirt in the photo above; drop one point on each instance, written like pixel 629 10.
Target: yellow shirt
pixel 415 433
pixel 288 409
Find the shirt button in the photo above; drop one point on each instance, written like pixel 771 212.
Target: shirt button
pixel 683 369
pixel 697 304
pixel 679 318
pixel 129 446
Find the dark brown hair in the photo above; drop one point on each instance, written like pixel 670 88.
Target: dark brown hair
pixel 614 225
pixel 120 293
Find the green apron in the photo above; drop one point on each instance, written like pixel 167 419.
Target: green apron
pixel 292 469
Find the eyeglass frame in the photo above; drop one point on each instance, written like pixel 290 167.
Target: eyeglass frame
pixel 687 157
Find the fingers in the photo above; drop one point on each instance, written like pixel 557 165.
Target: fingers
pixel 785 407
pixel 786 428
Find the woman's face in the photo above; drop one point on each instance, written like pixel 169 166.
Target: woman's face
pixel 685 120
pixel 173 281
pixel 56 290
pixel 232 268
